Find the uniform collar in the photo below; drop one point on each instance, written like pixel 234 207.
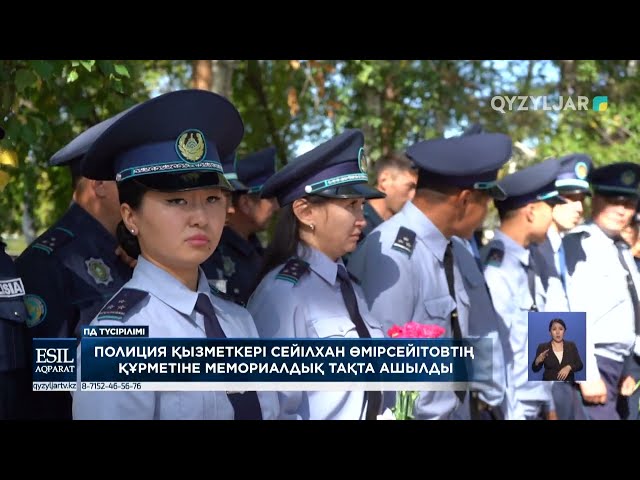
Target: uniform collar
pixel 555 240
pixel 372 217
pixel 425 230
pixel 83 221
pixel 320 263
pixel 512 247
pixel 166 287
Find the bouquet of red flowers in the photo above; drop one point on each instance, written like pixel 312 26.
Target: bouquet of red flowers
pixel 405 400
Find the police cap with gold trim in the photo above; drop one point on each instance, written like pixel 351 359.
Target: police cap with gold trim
pixel 172 142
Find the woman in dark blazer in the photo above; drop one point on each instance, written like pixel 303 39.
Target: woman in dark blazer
pixel 560 357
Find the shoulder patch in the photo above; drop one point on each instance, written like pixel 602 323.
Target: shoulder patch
pixel 405 241
pixel 36 309
pixel 293 270
pixel 123 302
pixel 53 239
pixel 494 256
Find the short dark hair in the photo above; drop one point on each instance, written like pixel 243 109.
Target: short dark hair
pixel 557 320
pixel 396 160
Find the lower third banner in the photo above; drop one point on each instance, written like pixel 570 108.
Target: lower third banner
pixel 282 364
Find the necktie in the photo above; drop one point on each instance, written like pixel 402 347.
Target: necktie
pixel 621 246
pixel 531 279
pixel 246 405
pixel 455 322
pixel 374 399
pixel 562 260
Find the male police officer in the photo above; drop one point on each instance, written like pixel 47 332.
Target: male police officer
pixel 573 187
pixel 395 176
pixel 235 264
pixel 14 375
pixel 73 268
pixel 408 267
pixel 602 280
pixel 516 288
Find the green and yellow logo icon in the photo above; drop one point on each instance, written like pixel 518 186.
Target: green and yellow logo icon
pixel 600 103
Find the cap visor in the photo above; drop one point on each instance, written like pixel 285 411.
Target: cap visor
pixel 358 190
pixel 238 186
pixel 178 182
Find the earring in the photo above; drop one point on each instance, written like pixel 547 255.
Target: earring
pixel 312 227
pixel 133 231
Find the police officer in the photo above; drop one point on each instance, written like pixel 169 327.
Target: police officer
pixel 396 177
pixel 73 268
pixel 235 264
pixel 602 280
pixel 305 290
pixel 549 256
pixel 515 285
pixel 573 187
pixel 170 184
pixel 408 266
pixel 14 374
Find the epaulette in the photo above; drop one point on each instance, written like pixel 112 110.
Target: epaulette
pixel 225 296
pixel 293 270
pixel 53 239
pixel 405 241
pixel 493 255
pixel 121 304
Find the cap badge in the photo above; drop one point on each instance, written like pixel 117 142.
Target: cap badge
pixel 628 178
pixel 581 170
pixel 363 161
pixel 191 146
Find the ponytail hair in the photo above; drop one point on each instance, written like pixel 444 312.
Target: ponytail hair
pixel 285 240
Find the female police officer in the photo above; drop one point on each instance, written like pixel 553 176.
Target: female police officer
pixel 165 155
pixel 305 290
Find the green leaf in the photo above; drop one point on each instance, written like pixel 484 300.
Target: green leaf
pixel 87 64
pixel 73 76
pixel 25 79
pixel 75 63
pixel 122 70
pixel 105 66
pixel 43 68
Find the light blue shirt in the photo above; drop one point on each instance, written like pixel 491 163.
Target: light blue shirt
pixel 400 287
pixel 509 286
pixel 596 284
pixel 311 308
pixel 168 310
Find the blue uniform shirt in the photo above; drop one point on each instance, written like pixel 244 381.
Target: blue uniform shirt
pixel 404 283
pixel 14 375
pixel 505 271
pixel 169 312
pixel 596 284
pixel 311 308
pixel 69 273
pixel 234 266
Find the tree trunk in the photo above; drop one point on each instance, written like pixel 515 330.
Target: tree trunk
pixel 202 74
pixel 223 76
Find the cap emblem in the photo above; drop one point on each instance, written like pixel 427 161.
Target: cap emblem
pixel 191 146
